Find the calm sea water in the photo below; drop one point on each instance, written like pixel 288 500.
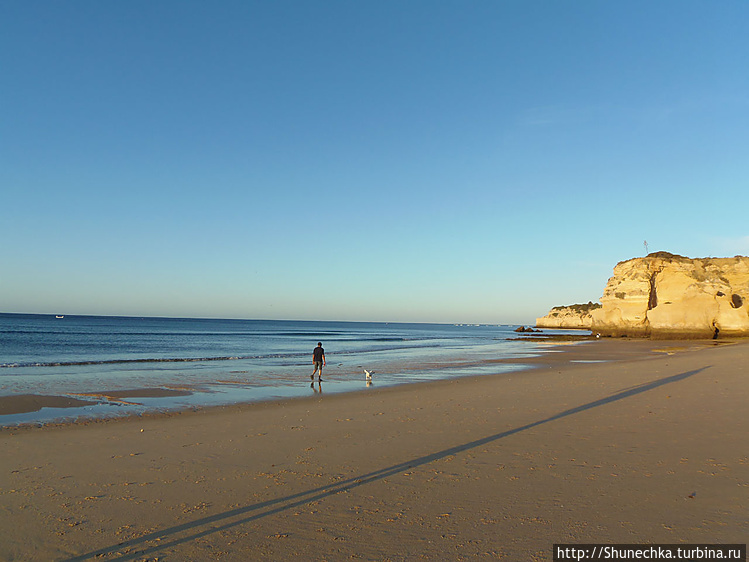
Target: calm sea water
pixel 229 361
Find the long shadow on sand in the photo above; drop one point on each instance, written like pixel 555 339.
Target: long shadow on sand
pixel 241 515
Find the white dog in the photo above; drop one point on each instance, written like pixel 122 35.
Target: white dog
pixel 368 374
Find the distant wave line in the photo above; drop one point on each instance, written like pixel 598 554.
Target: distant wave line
pixel 195 359
pixel 312 335
pixel 331 336
pixel 121 361
pixel 155 336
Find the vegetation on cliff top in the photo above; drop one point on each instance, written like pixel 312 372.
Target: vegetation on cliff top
pixel 579 308
pixel 668 256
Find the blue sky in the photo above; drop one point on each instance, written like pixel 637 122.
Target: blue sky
pixel 423 161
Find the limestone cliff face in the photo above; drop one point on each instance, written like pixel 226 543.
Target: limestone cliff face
pixel 664 294
pixel 573 316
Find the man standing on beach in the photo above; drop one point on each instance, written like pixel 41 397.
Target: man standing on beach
pixel 318 358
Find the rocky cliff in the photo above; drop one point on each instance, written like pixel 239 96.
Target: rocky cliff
pixel 572 316
pixel 664 295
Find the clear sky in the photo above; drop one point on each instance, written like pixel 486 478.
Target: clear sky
pixel 448 161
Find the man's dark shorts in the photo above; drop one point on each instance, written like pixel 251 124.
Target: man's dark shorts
pixel 318 366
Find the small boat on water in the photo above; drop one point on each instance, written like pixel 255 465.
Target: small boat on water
pixel 59 316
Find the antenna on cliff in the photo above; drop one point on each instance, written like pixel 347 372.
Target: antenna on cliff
pixel 645 243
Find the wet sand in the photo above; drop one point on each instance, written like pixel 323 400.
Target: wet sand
pixel 649 446
pixel 23 403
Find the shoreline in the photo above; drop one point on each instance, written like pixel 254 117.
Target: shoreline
pixel 647 447
pixel 13 405
pixel 93 403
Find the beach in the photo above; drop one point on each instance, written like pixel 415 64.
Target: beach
pixel 609 441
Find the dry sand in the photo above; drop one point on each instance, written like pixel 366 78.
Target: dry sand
pixel 649 447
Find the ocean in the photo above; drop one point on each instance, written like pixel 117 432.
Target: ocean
pixel 203 362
